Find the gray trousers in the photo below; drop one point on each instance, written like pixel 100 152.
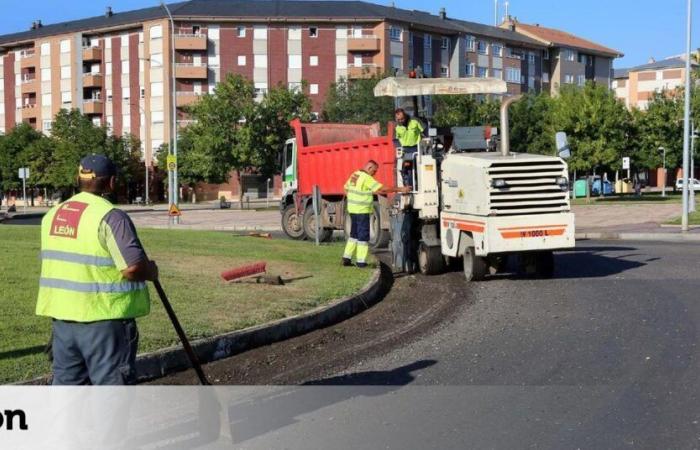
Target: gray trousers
pixel 95 353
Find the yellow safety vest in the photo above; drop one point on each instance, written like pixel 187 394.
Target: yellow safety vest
pixel 409 136
pixel 79 280
pixel 360 189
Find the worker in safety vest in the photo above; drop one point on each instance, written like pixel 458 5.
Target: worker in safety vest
pixel 360 190
pixel 408 133
pixel 93 282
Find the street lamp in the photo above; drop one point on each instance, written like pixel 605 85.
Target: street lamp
pixel 173 194
pixel 686 120
pixel 663 186
pixel 145 159
pixel 691 182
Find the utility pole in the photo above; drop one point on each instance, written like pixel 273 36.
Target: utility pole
pixel 173 191
pixel 691 193
pixel 663 186
pixel 686 121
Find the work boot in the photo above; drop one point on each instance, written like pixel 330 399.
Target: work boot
pixel 347 262
pixel 361 265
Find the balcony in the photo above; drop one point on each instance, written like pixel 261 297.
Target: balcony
pixel 364 44
pixel 363 71
pixel 191 71
pixel 28 58
pixel 93 106
pixel 29 110
pixel 92 80
pixel 190 42
pixel 186 98
pixel 29 84
pixel 92 54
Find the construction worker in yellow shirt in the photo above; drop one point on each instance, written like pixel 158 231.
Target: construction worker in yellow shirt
pixel 360 190
pixel 408 133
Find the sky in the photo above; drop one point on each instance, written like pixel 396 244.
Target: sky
pixel 638 28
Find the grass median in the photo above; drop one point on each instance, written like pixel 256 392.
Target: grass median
pixel 190 263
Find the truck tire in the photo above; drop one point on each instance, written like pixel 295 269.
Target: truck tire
pixel 291 223
pixel 430 260
pixel 544 264
pixel 475 267
pixel 309 222
pixel 378 238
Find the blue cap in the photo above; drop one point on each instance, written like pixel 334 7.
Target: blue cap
pixel 94 166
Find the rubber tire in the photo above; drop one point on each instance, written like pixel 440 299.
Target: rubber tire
pixel 544 264
pixel 378 238
pixel 475 267
pixel 430 260
pixel 310 227
pixel 287 215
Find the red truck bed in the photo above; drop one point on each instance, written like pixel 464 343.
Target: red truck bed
pixel 327 153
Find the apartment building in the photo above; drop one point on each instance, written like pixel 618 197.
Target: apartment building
pixel 568 59
pixel 636 86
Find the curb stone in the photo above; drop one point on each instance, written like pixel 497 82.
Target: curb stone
pixel 661 237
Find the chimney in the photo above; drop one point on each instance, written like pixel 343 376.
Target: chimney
pixel 651 60
pixel 38 23
pixel 108 13
pixel 33 27
pixel 443 13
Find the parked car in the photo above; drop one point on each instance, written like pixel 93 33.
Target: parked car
pixel 695 183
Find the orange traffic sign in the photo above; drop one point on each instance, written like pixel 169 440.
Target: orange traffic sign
pixel 174 211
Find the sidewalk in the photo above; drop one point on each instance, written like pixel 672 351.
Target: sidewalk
pixel 211 219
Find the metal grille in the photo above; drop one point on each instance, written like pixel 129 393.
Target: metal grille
pixel 531 187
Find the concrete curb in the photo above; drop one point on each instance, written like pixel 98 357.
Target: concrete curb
pixel 660 237
pixel 217 228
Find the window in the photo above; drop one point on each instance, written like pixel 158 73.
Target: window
pixel 444 72
pixel 45 49
pixel 515 54
pixel 241 60
pixel 395 34
pixel 531 58
pixel 108 43
pixel 569 55
pixel 341 62
pixel 66 97
pixel 396 62
pixel 126 121
pixel 157 60
pixel 294 33
pixel 428 69
pixel 569 79
pixel 142 93
pixel 470 70
pixel 313 89
pixel 126 93
pixel 140 38
pixel 427 41
pixel 294 86
pixel 46 74
pixel 214 61
pixel 260 32
pixel 313 60
pixel 545 77
pixel 157 117
pixel 470 43
pixel 513 75
pixel 240 32
pixel 46 125
pixel 294 61
pixel 445 44
pixel 108 68
pixel 497 73
pixel 313 32
pixel 213 32
pixel 156 32
pixel 483 47
pixel 65 72
pixel 65 46
pixel 497 50
pixel 581 80
pixel 356 32
pixel 260 61
pixel 482 72
pixel 260 89
pixel 109 95
pixel 582 58
pixel 125 67
pixel 46 100
pixel 545 54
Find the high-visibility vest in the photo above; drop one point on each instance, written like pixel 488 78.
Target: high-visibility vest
pixel 360 189
pixel 409 136
pixel 79 279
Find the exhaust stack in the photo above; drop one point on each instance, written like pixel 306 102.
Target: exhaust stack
pixel 505 133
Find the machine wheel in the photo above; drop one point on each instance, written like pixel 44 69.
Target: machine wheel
pixel 430 260
pixel 544 264
pixel 310 227
pixel 291 223
pixel 475 267
pixel 378 238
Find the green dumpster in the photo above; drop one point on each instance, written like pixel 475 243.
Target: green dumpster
pixel 580 188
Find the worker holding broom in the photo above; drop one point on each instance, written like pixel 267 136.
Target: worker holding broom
pixel 360 190
pixel 93 282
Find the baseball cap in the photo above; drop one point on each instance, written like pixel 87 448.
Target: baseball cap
pixel 93 166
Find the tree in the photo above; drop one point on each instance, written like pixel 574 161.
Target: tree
pixel 353 101
pixel 530 125
pixel 661 125
pixel 466 111
pixel 12 155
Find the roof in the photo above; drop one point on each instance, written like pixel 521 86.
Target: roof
pixel 407 87
pixel 554 37
pixel 621 73
pixel 268 10
pixel 670 63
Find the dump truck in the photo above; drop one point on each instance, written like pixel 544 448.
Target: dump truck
pixel 325 155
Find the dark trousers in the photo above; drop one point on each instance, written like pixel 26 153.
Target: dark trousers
pixel 407 165
pixel 101 352
pixel 359 227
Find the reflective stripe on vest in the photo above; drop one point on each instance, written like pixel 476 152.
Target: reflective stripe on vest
pixel 79 279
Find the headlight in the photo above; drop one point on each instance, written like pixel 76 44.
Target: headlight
pixel 563 183
pixel 498 183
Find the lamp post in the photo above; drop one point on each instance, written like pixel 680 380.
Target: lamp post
pixel 686 120
pixel 173 191
pixel 145 159
pixel 663 186
pixel 691 182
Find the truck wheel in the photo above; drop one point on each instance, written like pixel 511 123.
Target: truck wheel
pixel 544 264
pixel 430 260
pixel 291 223
pixel 475 267
pixel 309 221
pixel 378 238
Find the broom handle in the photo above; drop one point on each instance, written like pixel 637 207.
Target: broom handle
pixel 181 334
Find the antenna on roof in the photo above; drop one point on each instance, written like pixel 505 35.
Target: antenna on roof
pixel 108 12
pixel 507 14
pixel 495 13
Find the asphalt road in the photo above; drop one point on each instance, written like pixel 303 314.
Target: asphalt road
pixel 605 355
